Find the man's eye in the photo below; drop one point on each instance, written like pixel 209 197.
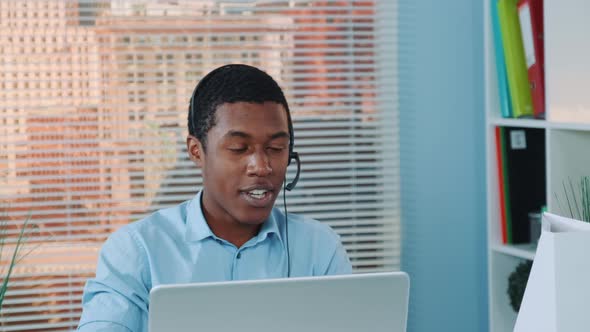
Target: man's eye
pixel 238 150
pixel 276 148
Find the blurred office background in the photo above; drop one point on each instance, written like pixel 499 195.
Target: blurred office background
pixel 386 98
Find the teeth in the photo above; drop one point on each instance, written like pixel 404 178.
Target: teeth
pixel 257 193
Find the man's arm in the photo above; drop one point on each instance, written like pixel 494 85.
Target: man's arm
pixel 117 298
pixel 331 253
pixel 339 264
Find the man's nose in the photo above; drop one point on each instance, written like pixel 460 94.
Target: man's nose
pixel 259 164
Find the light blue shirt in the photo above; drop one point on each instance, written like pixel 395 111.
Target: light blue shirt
pixel 176 245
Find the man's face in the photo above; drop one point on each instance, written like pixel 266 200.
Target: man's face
pixel 245 161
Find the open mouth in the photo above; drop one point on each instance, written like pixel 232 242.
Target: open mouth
pixel 258 193
pixel 258 197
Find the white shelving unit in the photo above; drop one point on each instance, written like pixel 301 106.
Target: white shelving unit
pixel 567 134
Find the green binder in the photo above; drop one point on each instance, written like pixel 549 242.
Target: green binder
pixel 516 69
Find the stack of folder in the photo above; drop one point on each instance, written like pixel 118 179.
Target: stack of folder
pixel 518 42
pixel 520 154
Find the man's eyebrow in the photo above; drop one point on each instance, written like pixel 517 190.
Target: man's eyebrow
pixel 280 134
pixel 241 134
pixel 236 133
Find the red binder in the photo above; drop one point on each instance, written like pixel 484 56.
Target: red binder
pixel 531 22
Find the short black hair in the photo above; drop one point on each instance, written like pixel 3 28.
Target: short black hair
pixel 231 84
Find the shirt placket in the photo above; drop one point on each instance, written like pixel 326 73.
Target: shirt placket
pixel 237 258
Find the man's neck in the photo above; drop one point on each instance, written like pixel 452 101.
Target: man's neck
pixel 233 233
pixel 229 229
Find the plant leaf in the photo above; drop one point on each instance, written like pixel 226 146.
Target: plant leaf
pixel 13 261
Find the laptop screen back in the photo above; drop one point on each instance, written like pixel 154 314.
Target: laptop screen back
pixel 375 302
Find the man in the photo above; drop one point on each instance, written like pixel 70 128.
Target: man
pixel 240 135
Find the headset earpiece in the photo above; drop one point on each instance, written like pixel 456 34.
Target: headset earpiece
pixel 295 156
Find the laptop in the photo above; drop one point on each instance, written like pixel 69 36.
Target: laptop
pixel 376 302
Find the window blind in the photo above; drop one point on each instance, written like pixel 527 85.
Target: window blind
pixel 93 112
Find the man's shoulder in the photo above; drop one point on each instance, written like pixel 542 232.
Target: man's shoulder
pixel 169 221
pixel 163 218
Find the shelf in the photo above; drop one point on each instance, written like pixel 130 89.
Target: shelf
pixel 570 126
pixel 534 123
pixel 526 123
pixel 524 251
pixel 567 137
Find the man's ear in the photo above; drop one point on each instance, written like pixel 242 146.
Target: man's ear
pixel 195 150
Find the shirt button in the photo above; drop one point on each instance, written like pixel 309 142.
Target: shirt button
pixel 239 255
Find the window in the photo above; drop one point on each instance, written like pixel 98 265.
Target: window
pixel 159 77
pixel 86 163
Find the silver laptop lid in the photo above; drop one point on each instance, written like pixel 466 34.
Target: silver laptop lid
pixel 363 302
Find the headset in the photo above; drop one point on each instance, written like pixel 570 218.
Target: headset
pixel 292 154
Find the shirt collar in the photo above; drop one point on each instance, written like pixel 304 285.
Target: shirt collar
pixel 197 228
pixel 270 226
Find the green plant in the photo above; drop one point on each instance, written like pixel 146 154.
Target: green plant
pixel 17 253
pixel 517 283
pixel 577 199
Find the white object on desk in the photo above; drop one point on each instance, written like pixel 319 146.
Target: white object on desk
pixel 375 302
pixel 557 296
